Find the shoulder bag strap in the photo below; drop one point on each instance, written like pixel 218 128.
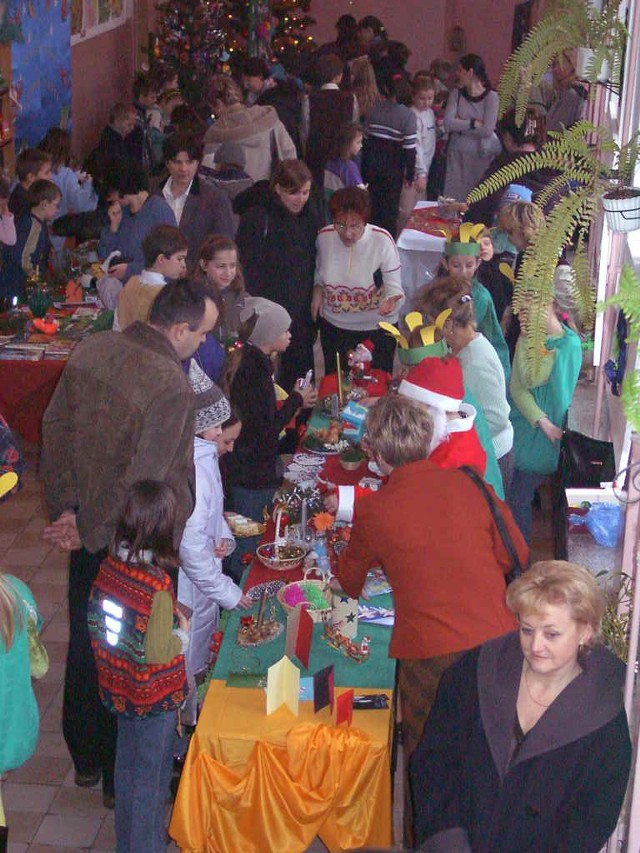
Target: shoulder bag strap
pixel 507 541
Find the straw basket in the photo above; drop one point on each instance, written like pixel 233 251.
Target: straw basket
pixel 315 613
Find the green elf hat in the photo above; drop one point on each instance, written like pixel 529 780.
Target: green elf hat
pixel 466 242
pixel 421 342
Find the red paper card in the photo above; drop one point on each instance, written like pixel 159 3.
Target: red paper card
pixel 323 689
pixel 344 708
pixel 299 635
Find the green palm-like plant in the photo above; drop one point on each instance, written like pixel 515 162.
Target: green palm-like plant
pixel 566 25
pixel 582 176
pixel 628 300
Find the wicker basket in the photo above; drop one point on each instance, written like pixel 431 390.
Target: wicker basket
pixel 265 555
pixel 322 586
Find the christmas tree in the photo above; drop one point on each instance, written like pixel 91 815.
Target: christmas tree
pixel 190 39
pixel 292 43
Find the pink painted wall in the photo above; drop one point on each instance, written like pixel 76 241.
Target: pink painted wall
pixel 101 74
pixel 422 25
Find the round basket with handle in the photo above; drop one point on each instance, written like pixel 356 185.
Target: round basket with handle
pixel 308 593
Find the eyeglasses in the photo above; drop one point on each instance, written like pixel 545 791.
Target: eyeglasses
pixel 342 228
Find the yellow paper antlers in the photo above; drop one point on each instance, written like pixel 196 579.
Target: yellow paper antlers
pixel 414 321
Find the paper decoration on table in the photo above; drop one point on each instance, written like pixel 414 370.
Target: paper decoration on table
pixel 375 615
pixel 299 635
pixel 323 683
pixel 283 686
pixel 8 481
pixel 344 708
pixel 376 583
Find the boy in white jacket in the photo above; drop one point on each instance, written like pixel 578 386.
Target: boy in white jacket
pixel 202 587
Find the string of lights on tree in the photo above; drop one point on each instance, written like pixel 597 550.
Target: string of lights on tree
pixel 201 36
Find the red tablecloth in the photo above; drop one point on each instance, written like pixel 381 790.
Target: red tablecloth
pixel 25 390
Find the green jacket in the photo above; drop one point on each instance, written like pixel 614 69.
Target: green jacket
pixel 548 394
pixel 19 716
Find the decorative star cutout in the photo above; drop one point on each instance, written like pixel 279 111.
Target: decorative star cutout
pixel 344 599
pixel 351 617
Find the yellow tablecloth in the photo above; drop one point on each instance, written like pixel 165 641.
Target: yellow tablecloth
pixel 258 784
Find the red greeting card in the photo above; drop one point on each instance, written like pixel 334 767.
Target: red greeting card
pixel 344 708
pixel 299 635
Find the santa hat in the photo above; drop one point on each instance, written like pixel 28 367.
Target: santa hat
pixel 436 382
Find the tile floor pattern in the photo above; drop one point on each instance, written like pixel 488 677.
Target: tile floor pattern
pixel 46 812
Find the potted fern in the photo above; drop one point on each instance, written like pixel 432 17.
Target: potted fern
pixel 567 25
pixel 621 204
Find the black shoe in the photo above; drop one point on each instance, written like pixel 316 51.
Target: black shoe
pixel 108 800
pixel 88 780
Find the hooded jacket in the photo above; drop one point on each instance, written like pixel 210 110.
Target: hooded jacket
pixel 261 134
pixel 201 585
pixel 560 791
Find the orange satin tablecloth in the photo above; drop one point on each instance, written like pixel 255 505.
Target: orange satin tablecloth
pixel 258 784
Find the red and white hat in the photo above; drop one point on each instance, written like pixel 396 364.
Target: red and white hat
pixel 436 382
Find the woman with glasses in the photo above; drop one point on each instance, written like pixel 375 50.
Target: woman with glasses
pixel 357 282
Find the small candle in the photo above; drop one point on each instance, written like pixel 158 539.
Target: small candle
pixel 304 516
pixel 263 605
pixel 339 374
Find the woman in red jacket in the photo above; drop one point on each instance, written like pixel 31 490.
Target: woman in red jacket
pixel 434 534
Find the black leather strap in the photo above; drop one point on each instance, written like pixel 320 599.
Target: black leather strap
pixel 517 569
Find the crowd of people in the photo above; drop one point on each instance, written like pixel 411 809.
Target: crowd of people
pixel 228 250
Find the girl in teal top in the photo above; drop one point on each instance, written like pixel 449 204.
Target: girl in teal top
pixel 540 402
pixel 19 717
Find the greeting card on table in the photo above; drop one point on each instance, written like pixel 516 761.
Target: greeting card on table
pixel 283 686
pixel 299 635
pixel 344 708
pixel 323 689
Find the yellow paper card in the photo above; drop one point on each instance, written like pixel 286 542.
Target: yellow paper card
pixel 7 482
pixel 283 686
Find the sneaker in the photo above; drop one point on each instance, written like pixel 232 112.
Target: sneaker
pixel 87 780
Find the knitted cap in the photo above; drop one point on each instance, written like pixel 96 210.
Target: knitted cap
pixel 212 407
pixel 272 320
pixel 436 382
pixel 230 154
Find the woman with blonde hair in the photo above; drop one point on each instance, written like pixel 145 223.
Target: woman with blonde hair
pixel 364 85
pixel 257 129
pixel 527 746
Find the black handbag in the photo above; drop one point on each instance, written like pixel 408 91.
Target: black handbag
pixel 585 462
pixel 517 568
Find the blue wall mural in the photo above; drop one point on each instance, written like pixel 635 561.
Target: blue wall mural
pixel 41 69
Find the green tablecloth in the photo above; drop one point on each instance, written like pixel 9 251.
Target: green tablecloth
pixel 377 671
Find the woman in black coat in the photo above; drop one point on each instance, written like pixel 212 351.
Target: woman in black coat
pixel 276 239
pixel 527 745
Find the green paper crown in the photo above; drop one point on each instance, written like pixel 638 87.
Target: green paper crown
pixel 466 243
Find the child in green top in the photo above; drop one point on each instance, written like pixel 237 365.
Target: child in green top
pixel 462 259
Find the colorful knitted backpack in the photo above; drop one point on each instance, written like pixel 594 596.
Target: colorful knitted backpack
pixel 118 613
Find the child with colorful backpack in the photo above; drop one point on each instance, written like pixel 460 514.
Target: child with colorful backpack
pixel 139 652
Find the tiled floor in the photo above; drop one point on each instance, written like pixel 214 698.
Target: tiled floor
pixel 46 812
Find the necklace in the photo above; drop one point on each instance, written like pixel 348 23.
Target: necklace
pixel 537 701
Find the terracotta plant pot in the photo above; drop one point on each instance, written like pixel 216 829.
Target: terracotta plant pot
pixel 622 209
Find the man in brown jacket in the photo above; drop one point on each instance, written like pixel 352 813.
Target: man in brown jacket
pixel 123 411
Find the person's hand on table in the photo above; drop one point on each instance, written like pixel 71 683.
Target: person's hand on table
pixel 63 532
pixel 330 501
pixel 118 271
pixel 421 184
pixel 388 305
pixel 316 303
pixel 309 396
pixel 222 548
pixel 245 603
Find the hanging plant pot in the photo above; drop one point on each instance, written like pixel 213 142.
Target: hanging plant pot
pixel 584 59
pixel 622 208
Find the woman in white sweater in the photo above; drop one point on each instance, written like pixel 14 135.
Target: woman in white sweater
pixel 357 282
pixel 481 368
